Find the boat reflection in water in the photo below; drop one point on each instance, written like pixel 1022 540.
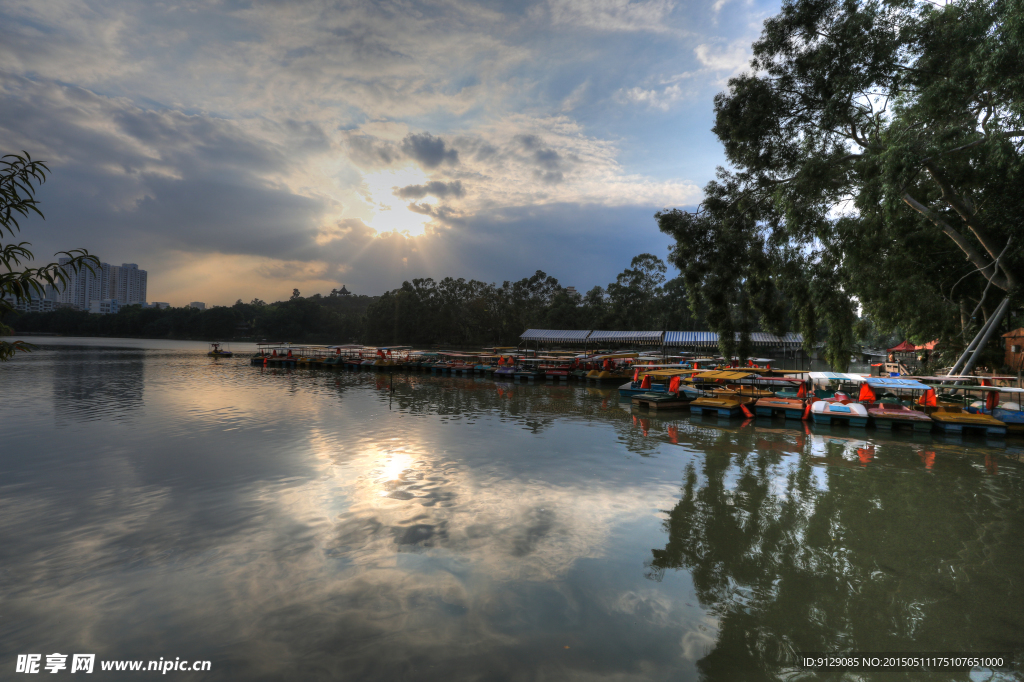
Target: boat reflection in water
pixel 293 523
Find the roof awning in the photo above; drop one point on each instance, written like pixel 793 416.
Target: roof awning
pixel 787 340
pixel 698 339
pixel 905 347
pixel 556 335
pixel 710 339
pixel 599 336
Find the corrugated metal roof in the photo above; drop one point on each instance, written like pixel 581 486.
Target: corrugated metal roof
pixel 708 339
pixel 705 339
pixel 674 339
pixel 556 335
pixel 625 337
pixel 788 339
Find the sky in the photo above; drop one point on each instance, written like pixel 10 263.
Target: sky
pixel 241 149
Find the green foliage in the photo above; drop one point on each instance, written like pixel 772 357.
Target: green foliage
pixel 312 320
pixel 472 313
pixel 877 152
pixel 19 176
pixel 453 312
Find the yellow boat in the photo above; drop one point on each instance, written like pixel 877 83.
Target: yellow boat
pixel 616 373
pixel 954 419
pixel 724 401
pixel 723 406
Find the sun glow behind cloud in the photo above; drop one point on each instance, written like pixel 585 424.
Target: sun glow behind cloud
pixel 364 145
pixel 390 213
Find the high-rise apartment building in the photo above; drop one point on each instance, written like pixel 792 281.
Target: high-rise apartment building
pixel 130 283
pixel 125 283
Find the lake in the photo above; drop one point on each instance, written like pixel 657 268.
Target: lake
pixel 309 524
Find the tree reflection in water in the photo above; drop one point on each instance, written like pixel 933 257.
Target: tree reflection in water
pixel 841 547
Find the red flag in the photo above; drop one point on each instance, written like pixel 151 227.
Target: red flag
pixel 866 394
pixel 991 400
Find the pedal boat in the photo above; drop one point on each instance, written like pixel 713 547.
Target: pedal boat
pixel 845 412
pixel 953 419
pixel 891 415
pixel 791 408
pixel 663 400
pixel 217 352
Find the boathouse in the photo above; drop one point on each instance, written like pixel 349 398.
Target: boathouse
pixel 1014 358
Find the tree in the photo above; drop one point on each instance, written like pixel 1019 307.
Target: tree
pixel 635 295
pixel 19 176
pixel 877 154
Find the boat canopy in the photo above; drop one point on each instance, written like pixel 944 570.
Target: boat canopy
pixel 909 384
pixel 723 374
pixel 969 377
pixel 614 356
pixel 665 366
pixel 836 376
pixel 997 389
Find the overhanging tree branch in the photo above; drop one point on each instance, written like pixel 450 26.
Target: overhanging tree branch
pixel 987 269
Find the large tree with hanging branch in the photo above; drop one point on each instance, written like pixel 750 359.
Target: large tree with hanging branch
pixel 876 160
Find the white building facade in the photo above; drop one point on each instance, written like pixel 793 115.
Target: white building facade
pixel 33 305
pixel 108 306
pixel 125 283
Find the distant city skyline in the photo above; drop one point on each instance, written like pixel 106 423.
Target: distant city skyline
pixel 124 283
pixel 245 149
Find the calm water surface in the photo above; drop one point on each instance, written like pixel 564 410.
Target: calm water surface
pixel 310 525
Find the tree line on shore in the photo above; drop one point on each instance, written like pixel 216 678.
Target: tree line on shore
pixel 424 312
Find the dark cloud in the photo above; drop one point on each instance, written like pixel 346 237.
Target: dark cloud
pixel 551 165
pixel 511 243
pixel 422 209
pixel 366 150
pixel 550 177
pixel 430 151
pixel 439 189
pixel 485 152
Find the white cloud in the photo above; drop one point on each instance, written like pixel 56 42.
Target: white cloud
pixel 612 15
pixel 255 129
pixel 655 98
pixel 731 58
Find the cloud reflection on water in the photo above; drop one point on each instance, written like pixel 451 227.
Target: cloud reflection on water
pixel 309 525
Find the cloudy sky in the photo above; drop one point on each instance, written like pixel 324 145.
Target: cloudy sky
pixel 239 149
